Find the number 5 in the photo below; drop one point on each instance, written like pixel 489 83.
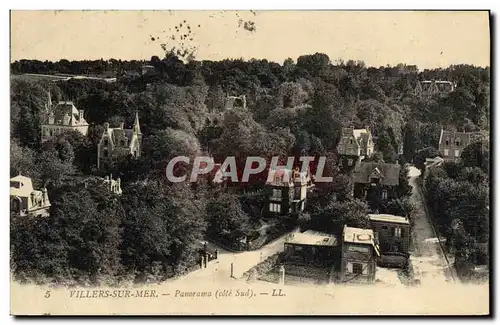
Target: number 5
pixel 47 294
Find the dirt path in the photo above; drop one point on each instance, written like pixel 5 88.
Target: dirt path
pixel 428 259
pixel 219 271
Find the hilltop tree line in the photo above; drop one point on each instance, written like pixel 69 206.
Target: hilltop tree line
pixel 293 108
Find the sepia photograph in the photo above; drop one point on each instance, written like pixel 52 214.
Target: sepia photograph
pixel 250 162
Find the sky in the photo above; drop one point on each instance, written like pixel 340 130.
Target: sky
pixel 425 38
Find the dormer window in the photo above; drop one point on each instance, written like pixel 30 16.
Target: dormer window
pixel 457 142
pixel 105 142
pixel 350 141
pixel 447 142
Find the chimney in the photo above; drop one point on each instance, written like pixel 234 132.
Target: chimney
pixel 122 125
pixel 66 119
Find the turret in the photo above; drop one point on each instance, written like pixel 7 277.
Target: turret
pixel 45 197
pixel 137 126
pixel 48 105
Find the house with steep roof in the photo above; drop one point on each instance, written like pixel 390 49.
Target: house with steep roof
pixel 24 200
pixel 360 251
pixel 118 143
pixel 63 116
pixel 451 144
pixel 375 180
pixel 354 145
pixel 288 191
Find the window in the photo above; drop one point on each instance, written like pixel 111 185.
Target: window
pixel 447 141
pixel 277 193
pixel 275 207
pixel 122 143
pixel 457 142
pixel 446 152
pixel 357 268
pixel 384 194
pixel 105 153
pixel 397 232
pixel 457 153
pixel 105 142
pixel 384 227
pixel 349 162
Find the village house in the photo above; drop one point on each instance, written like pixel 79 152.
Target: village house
pixel 360 252
pixel 354 145
pixel 430 88
pixel 393 232
pixel 25 201
pixel 60 118
pixel 288 191
pixel 375 181
pixel 311 256
pixel 118 143
pixel 451 144
pixel 310 248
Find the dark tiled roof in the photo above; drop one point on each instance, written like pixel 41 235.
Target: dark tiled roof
pixel 63 108
pixel 389 173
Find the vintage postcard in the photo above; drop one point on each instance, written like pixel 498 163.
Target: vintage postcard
pixel 250 162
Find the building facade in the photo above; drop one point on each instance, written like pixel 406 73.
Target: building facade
pixel 25 201
pixel 393 232
pixel 63 116
pixel 354 145
pixel 235 102
pixel 288 191
pixel 430 88
pixel 451 144
pixel 118 143
pixel 360 251
pixel 375 181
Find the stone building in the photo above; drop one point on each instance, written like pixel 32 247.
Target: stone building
pixel 235 101
pixel 430 88
pixel 24 200
pixel 63 116
pixel 360 252
pixel 451 144
pixel 354 145
pixel 118 143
